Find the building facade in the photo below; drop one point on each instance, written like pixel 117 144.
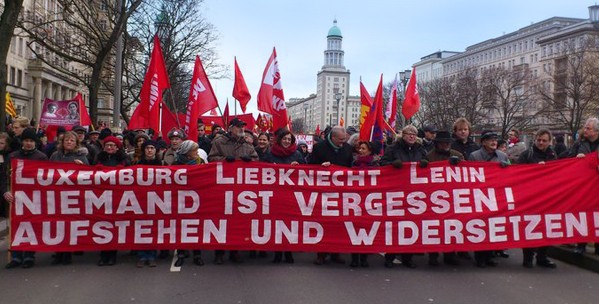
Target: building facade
pixel 332 102
pixel 34 73
pixel 537 49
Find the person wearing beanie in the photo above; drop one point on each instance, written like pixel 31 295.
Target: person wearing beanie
pixel 149 157
pixel 28 150
pixel 112 155
pixel 187 154
pixel 302 147
pixel 176 136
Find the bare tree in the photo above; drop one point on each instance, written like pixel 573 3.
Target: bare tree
pixel 298 126
pixel 511 93
pixel 8 21
pixel 80 32
pixel 184 33
pixel 443 100
pixel 570 91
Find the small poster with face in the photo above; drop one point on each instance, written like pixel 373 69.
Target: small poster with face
pixel 60 112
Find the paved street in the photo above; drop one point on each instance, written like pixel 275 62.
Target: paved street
pixel 259 281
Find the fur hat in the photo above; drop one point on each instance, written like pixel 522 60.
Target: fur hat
pixel 488 134
pixel 29 133
pixel 176 133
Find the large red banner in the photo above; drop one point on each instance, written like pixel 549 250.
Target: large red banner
pixel 240 205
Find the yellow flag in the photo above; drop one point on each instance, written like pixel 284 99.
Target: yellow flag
pixel 10 107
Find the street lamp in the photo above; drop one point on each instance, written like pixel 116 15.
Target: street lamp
pixel 306 106
pixel 338 99
pixel 404 78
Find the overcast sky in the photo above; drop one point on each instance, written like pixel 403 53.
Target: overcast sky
pixel 378 36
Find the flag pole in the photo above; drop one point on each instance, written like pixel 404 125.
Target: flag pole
pixel 174 108
pixel 160 119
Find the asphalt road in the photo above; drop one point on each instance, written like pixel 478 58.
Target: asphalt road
pixel 260 281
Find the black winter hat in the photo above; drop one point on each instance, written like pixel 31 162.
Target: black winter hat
pixel 105 133
pixel 29 133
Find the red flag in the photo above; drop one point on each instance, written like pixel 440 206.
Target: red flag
pixel 270 96
pixel 240 89
pixel 391 111
pixel 83 114
pixel 201 99
pixel 226 116
pixel 411 104
pixel 317 131
pixel 375 123
pixel 213 112
pixel 366 101
pixel 147 113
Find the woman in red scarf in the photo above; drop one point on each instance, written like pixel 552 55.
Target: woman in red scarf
pixel 284 151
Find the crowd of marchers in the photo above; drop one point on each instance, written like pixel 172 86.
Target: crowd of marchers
pixel 335 145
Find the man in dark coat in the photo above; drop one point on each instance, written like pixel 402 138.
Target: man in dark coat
pixel 539 153
pixel 589 143
pixel 333 150
pixel 406 149
pixel 28 150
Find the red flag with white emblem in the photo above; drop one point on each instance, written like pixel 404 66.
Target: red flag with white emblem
pixel 201 99
pixel 270 96
pixel 411 104
pixel 147 113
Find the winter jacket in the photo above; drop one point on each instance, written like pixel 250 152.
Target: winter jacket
pixel 112 160
pixel 482 155
pixel 404 152
pixel 465 148
pixel 534 155
pixel 69 157
pixel 227 145
pixel 325 152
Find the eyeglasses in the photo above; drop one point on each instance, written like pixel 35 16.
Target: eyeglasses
pixel 110 145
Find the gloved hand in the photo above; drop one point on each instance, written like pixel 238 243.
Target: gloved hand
pixel 230 159
pixel 246 158
pixel 505 164
pixel 397 164
pixel 454 160
pixel 423 163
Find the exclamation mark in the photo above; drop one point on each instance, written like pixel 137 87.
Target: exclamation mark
pixel 596 216
pixel 509 196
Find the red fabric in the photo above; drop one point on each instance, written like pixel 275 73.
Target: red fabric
pixel 270 96
pixel 366 101
pixel 472 206
pixel 209 120
pixel 411 104
pixel 201 99
pixel 375 122
pixel 317 131
pixel 281 151
pixel 147 113
pixel 226 116
pixel 84 118
pixel 240 89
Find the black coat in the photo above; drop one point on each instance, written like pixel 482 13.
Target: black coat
pixel 534 155
pixel 465 148
pixel 404 152
pixel 274 159
pixel 324 152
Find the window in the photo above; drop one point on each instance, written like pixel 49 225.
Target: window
pixel 12 76
pixel 19 78
pixel 20 50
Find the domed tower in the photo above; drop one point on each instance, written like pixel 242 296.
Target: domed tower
pixel 333 82
pixel 333 55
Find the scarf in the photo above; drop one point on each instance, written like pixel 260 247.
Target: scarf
pixel 364 161
pixel 336 148
pixel 280 151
